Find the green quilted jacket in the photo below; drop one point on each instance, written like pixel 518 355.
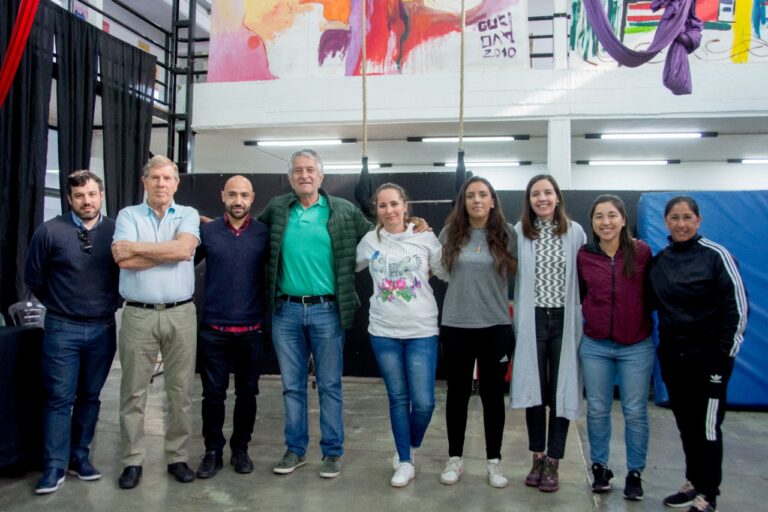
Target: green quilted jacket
pixel 346 225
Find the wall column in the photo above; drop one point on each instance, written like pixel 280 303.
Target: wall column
pixel 560 34
pixel 559 150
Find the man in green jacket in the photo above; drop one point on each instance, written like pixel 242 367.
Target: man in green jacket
pixel 313 238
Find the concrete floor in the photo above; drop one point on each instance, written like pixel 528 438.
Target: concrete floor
pixel 364 483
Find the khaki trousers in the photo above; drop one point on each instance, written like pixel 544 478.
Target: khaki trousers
pixel 144 333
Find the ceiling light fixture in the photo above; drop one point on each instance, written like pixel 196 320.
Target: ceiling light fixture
pixel 625 162
pixel 650 136
pixel 748 160
pixel 471 138
pixel 341 167
pixel 298 143
pixel 470 165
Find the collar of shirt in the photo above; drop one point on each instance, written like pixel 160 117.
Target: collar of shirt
pixel 321 202
pixel 233 229
pixel 545 225
pixel 150 211
pixel 79 222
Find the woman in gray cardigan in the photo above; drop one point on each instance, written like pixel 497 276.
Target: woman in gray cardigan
pixel 547 327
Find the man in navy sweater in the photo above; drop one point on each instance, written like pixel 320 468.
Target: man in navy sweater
pixel 235 248
pixel 70 269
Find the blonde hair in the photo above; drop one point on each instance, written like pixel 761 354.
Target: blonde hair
pixel 158 161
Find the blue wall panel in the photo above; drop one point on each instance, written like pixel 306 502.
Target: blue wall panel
pixel 738 221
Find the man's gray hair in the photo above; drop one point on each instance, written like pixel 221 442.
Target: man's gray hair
pixel 309 153
pixel 160 161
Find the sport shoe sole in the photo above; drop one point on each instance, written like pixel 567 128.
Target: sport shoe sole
pixel 289 470
pixel 497 483
pixel 49 490
pixel 679 505
pixel 679 500
pixel 86 478
pixel 325 473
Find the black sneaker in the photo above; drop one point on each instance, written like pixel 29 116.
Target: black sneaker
pixel 633 486
pixel 682 498
pixel 83 469
pixel 601 478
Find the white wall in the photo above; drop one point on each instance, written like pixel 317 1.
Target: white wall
pixel 719 90
pixel 302 107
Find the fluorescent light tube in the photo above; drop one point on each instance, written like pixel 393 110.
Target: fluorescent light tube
pixel 626 162
pixel 340 167
pixel 650 136
pixel 494 138
pixel 298 143
pixel 754 160
pixel 485 164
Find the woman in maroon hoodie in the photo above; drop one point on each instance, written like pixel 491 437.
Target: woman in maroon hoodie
pixel 616 340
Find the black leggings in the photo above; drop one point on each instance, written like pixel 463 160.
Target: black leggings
pixel 492 347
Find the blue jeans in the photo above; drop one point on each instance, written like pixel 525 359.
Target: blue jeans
pixel 602 361
pixel 77 357
pixel 297 331
pixel 408 369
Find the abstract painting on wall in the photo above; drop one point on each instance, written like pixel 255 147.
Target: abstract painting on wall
pixel 735 31
pixel 273 39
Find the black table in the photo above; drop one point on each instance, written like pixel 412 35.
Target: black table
pixel 21 399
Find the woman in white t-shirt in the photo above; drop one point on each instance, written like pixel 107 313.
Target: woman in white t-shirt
pixel 403 320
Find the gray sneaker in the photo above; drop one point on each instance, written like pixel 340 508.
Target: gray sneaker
pixel 289 463
pixel 331 467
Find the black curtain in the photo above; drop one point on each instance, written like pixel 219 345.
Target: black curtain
pixel 76 52
pixel 128 81
pixel 23 146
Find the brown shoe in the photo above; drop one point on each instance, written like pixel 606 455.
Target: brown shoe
pixel 534 477
pixel 549 476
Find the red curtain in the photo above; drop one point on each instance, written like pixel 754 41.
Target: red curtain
pixel 19 36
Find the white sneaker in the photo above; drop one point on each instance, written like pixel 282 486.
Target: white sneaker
pixel 403 475
pixel 452 471
pixel 396 459
pixel 495 474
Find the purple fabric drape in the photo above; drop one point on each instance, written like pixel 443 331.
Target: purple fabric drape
pixel 679 29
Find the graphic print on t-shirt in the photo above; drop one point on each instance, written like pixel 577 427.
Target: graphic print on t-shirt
pixel 395 278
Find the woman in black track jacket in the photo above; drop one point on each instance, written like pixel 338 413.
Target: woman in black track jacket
pixel 702 308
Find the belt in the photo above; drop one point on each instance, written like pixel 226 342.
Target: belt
pixel 308 299
pixel 158 307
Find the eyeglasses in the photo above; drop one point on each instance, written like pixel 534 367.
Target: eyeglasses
pixel 85 241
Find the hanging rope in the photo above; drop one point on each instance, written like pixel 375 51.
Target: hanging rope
pixel 461 170
pixel 364 189
pixel 363 72
pixel 461 78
